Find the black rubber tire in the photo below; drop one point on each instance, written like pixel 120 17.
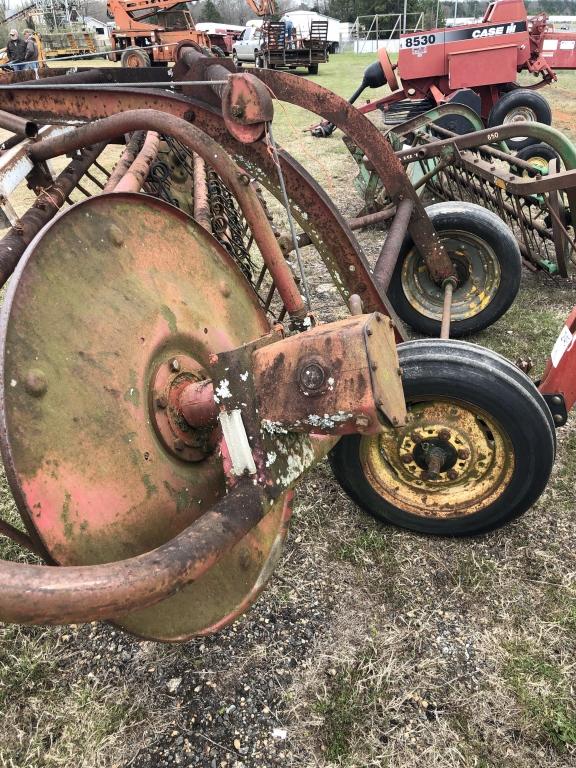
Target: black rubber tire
pixel 542 150
pixel 462 371
pixel 485 225
pixel 142 56
pixel 313 69
pixel 235 59
pixel 217 51
pixel 260 61
pixel 516 99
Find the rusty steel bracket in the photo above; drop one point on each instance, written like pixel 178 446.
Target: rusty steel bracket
pixel 245 101
pixel 276 459
pixel 278 397
pixel 336 379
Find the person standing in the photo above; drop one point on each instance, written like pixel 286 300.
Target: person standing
pixel 15 50
pixel 31 53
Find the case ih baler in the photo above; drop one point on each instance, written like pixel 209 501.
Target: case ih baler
pixel 475 64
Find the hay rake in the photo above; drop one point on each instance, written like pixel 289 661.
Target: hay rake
pixel 164 384
pixel 532 191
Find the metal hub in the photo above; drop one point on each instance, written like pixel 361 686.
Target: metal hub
pixel 451 459
pixel 477 270
pixel 520 115
pixel 178 437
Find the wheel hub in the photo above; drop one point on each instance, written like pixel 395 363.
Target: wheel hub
pixel 450 459
pixel 435 453
pixel 178 437
pixel 477 271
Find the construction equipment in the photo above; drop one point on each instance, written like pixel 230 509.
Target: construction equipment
pixel 476 65
pixel 164 382
pixel 148 31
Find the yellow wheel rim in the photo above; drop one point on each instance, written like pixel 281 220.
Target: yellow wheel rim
pixel 451 460
pixel 478 271
pixel 540 164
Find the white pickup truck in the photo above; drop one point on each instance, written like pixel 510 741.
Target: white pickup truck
pixel 248 47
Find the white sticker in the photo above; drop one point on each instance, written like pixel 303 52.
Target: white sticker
pixel 550 45
pixel 563 343
pixel 567 45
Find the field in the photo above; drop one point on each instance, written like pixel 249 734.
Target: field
pixel 371 646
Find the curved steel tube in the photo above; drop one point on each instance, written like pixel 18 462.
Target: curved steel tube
pixel 212 153
pixel 38 594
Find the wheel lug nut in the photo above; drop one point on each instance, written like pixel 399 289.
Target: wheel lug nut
pixel 452 474
pixel 179 445
pixel 429 475
pixel 407 458
pixel 415 437
pixel 162 401
pixel 463 453
pixel 444 434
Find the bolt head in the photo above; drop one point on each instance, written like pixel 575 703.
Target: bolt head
pixel 415 437
pixel 557 400
pixel 162 402
pixel 312 377
pixel 179 445
pixel 452 474
pixel 407 458
pixel 444 434
pixel 558 419
pixel 463 453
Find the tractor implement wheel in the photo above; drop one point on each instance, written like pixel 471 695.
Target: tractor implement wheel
pixel 539 156
pixel 135 59
pixel 110 321
pixel 520 105
pixel 488 266
pixel 476 452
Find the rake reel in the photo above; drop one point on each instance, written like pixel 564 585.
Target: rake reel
pixel 164 385
pixel 531 192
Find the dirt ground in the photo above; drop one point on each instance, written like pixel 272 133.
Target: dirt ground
pixel 371 646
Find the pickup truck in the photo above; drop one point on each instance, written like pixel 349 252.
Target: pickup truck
pixel 249 46
pixel 271 47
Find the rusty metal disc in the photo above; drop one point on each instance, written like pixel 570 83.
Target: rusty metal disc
pixel 115 288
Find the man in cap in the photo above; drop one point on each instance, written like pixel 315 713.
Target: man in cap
pixel 16 50
pixel 31 54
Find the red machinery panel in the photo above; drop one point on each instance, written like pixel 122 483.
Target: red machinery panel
pixel 559 49
pixel 482 66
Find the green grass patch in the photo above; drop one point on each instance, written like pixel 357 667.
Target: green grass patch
pixel 543 689
pixel 368 547
pixel 350 699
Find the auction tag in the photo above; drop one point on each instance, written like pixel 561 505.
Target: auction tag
pixel 563 342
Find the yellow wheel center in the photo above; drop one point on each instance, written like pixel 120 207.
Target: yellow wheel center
pixel 451 459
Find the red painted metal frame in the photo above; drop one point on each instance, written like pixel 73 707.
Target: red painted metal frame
pixel 560 378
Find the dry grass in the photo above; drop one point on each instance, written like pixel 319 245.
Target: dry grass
pixel 421 651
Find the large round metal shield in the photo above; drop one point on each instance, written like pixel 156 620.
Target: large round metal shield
pixel 114 288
